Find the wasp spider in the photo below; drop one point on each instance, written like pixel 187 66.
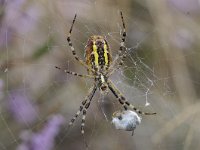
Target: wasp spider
pixel 100 66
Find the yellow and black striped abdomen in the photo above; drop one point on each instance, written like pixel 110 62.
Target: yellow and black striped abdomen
pixel 98 53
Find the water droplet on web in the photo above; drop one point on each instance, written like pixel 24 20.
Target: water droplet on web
pixel 6 70
pixel 147 104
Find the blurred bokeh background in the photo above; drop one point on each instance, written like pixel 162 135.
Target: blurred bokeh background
pixel 37 101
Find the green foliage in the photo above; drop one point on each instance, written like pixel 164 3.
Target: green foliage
pixel 45 48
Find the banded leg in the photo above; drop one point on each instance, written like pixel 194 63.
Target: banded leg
pixel 122 50
pixel 123 101
pixel 74 73
pixel 113 69
pixel 77 113
pixel 87 105
pixel 84 103
pixel 73 49
pixel 83 121
pixel 123 38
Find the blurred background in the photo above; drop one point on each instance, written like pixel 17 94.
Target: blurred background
pixel 37 101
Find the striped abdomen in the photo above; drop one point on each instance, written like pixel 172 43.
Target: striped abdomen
pixel 97 53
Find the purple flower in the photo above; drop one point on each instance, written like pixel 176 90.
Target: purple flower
pixel 44 140
pixel 186 6
pixel 9 12
pixel 22 147
pixel 182 38
pixel 21 107
pixel 16 20
pixel 1 88
pixel 24 20
pixel 5 36
pixel 1 84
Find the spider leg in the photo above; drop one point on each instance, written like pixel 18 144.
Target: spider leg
pixel 72 47
pixel 83 121
pixel 113 69
pixel 84 104
pixel 122 100
pixel 122 50
pixel 123 38
pixel 74 73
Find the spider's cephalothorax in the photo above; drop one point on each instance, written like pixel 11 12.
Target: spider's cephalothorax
pixel 100 66
pixel 98 58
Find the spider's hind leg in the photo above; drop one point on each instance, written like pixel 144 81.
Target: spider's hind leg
pixel 84 104
pixel 122 100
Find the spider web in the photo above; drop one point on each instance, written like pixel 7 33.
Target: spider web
pixel 35 97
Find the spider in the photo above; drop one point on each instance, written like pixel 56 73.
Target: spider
pixel 100 66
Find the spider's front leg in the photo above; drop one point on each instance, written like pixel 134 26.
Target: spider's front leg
pixel 123 38
pixel 122 53
pixel 74 73
pixel 73 49
pixel 123 100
